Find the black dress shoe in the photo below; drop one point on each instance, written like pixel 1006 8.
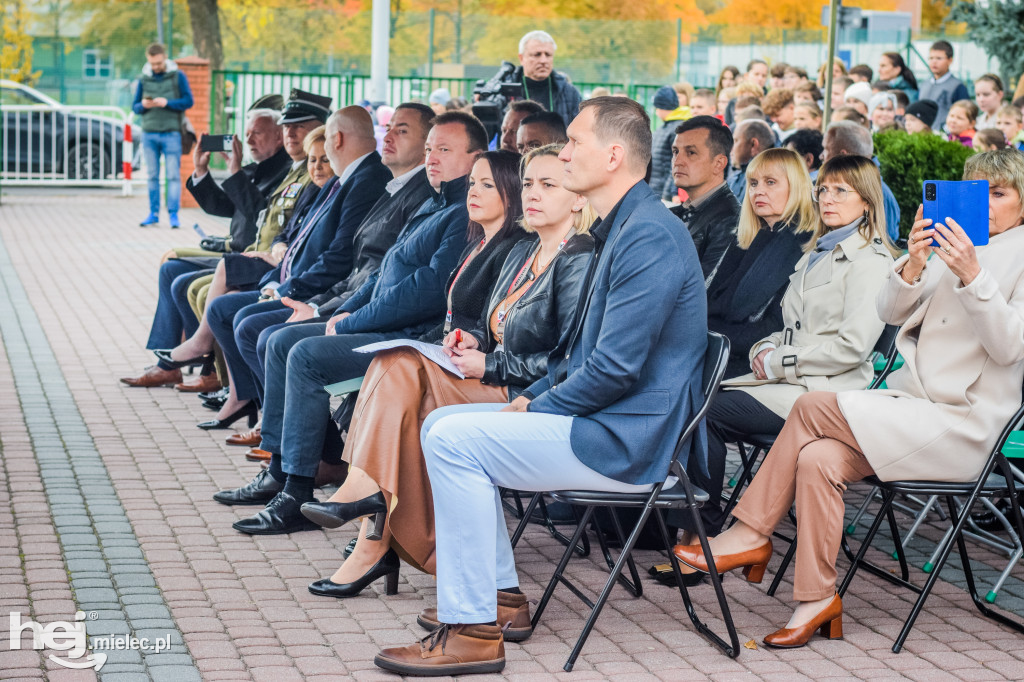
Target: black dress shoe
pixel 280 517
pixel 219 394
pixel 387 566
pixel 164 356
pixel 248 410
pixel 259 490
pixel 664 574
pixel 349 548
pixel 334 514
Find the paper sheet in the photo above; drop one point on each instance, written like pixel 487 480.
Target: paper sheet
pixel 428 350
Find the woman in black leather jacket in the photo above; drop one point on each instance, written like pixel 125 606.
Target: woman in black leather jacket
pixel 531 302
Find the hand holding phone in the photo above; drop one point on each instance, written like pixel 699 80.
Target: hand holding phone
pixel 216 143
pixel 964 202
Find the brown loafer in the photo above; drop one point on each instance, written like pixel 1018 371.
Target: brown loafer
pixel 153 377
pixel 204 383
pixel 330 474
pixel 449 650
pixel 249 439
pixel 257 455
pixel 829 622
pixel 753 561
pixel 513 616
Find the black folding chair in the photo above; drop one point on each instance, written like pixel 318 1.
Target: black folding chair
pixel 990 484
pixel 681 495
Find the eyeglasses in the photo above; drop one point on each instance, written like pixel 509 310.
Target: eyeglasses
pixel 838 194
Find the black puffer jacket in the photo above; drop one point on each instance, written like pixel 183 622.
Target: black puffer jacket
pixel 535 323
pixel 661 158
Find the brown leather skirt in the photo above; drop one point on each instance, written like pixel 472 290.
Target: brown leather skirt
pixel 399 390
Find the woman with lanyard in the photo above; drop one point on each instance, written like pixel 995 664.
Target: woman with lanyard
pixel 534 295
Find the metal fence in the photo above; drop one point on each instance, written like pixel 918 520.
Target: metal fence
pixel 66 146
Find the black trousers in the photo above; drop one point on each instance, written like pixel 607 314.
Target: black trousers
pixel 732 413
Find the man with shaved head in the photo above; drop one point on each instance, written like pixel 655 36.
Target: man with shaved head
pixel 321 252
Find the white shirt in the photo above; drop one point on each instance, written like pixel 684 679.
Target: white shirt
pixel 402 180
pixel 350 169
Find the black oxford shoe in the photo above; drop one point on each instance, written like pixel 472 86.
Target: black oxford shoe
pixel 280 517
pixel 259 490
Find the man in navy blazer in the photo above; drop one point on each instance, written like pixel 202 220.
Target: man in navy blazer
pixel 321 252
pixel 622 382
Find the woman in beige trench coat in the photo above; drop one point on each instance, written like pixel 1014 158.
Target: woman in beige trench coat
pixel 962 317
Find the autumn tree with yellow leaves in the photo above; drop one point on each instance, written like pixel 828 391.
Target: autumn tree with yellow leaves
pixel 16 50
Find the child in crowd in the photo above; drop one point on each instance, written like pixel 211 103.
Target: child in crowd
pixel 858 96
pixel 1009 121
pixel 807 116
pixel 808 93
pixel 777 75
pixel 882 110
pixel 920 116
pixel 794 77
pixel 943 87
pixel 989 140
pixel 724 97
pixel 779 107
pixel 862 73
pixel 702 103
pixel 960 121
pixel 988 95
pixel 902 102
pixel 684 91
pixel 839 88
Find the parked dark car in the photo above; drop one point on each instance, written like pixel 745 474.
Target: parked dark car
pixel 52 139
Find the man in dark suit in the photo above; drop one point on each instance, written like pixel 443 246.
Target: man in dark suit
pixel 321 252
pixel 621 383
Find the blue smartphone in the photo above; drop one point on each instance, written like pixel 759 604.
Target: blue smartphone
pixel 965 201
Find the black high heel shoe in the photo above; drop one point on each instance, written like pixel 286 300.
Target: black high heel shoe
pixel 249 410
pixel 164 356
pixel 387 567
pixel 334 514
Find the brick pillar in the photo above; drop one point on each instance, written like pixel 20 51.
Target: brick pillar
pixel 198 73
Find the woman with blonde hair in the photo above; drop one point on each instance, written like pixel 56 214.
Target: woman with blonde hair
pixel 962 337
pixel 829 324
pixel 501 352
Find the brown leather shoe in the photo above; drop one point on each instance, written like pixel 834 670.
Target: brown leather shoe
pixel 249 439
pixel 449 650
pixel 330 474
pixel 753 561
pixel 829 621
pixel 257 455
pixel 513 615
pixel 204 383
pixel 153 377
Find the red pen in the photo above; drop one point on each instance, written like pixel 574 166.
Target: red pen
pixel 458 340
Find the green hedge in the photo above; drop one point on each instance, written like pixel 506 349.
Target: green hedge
pixel 908 160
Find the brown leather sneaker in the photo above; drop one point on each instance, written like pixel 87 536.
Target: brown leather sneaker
pixel 153 377
pixel 513 616
pixel 449 650
pixel 204 383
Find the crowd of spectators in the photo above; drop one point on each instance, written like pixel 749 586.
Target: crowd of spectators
pixel 569 269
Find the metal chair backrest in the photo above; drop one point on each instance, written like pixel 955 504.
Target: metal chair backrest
pixel 886 347
pixel 716 359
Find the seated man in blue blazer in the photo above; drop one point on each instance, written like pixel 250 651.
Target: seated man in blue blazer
pixel 321 253
pixel 620 385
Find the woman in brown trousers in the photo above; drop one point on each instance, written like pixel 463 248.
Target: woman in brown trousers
pixel 962 336
pixel 501 353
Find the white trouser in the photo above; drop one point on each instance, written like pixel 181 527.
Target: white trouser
pixel 470 451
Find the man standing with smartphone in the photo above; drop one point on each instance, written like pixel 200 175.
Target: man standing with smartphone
pixel 161 99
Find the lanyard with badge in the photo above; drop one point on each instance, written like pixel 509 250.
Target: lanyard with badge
pixel 471 256
pixel 524 277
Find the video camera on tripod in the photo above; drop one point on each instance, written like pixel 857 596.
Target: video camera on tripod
pixel 494 96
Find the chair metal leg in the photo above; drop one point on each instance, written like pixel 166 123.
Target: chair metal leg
pixel 781 572
pixel 624 557
pixel 634 586
pixel 858 560
pixel 524 519
pixel 560 569
pixel 852 526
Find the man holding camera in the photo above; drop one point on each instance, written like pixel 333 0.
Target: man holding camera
pixel 541 83
pixel 161 100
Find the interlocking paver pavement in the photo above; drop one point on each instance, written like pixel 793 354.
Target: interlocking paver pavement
pixel 146 547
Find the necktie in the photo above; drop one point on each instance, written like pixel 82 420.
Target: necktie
pixel 293 248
